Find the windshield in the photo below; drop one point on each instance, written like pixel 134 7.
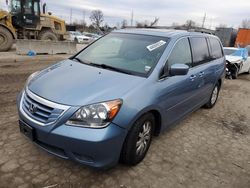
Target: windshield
pixel 233 52
pixel 137 54
pixel 15 6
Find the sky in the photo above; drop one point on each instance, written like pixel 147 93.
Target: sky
pixel 226 12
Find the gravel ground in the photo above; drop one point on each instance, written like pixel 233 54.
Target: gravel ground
pixel 210 148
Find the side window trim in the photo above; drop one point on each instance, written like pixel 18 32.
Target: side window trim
pixel 191 51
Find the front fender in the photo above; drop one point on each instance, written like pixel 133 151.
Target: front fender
pixel 127 119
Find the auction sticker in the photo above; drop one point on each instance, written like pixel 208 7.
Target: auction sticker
pixel 156 45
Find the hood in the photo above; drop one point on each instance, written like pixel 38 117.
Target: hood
pixel 77 84
pixel 233 59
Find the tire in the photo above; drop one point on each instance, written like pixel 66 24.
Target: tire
pixel 214 96
pixel 76 40
pixel 47 35
pixel 6 39
pixel 139 136
pixel 235 74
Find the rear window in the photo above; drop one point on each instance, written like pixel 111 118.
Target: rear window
pixel 200 50
pixel 216 50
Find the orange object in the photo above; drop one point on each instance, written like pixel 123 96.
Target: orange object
pixel 243 38
pixel 114 107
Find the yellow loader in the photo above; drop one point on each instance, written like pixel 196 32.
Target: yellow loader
pixel 26 21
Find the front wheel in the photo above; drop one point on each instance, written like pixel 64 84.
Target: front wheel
pixel 138 140
pixel 6 39
pixel 214 96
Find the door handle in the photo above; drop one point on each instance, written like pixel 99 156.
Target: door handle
pixel 201 74
pixel 192 77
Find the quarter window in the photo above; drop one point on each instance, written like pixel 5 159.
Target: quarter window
pixel 181 53
pixel 216 50
pixel 200 50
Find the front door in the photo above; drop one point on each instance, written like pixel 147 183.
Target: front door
pixel 178 93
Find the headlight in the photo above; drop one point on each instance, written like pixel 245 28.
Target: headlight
pixel 31 77
pixel 95 115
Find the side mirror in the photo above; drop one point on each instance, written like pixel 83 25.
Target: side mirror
pixel 178 69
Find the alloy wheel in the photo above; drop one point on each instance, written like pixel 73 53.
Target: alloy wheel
pixel 143 138
pixel 214 95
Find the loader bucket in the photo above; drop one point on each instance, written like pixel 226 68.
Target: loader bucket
pixel 23 47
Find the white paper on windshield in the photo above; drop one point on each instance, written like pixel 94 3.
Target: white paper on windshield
pixel 147 68
pixel 156 45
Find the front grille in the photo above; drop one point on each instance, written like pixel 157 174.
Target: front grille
pixel 39 111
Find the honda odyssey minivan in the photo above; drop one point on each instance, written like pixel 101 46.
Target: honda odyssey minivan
pixel 105 104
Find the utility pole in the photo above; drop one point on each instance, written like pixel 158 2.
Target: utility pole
pixel 83 14
pixel 203 21
pixel 71 16
pixel 132 17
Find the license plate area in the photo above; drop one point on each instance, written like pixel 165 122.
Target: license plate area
pixel 27 130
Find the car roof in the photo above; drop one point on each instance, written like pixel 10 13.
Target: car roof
pixel 170 33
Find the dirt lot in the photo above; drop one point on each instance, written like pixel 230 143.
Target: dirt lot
pixel 208 149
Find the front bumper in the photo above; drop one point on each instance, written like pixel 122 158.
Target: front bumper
pixel 98 148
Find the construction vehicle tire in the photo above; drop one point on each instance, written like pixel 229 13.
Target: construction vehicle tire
pixel 6 39
pixel 47 35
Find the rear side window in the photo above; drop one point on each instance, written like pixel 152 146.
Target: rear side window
pixel 200 50
pixel 216 50
pixel 181 53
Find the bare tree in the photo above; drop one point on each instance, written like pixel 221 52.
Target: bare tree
pixel 147 23
pixel 96 18
pixel 245 24
pixel 190 24
pixel 153 23
pixel 124 24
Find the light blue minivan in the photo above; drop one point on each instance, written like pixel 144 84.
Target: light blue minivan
pixel 105 104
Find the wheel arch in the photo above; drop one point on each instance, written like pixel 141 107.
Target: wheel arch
pixel 158 118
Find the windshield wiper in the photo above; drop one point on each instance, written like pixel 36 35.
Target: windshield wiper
pixel 104 66
pixel 79 60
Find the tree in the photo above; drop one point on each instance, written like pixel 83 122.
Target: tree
pixel 245 24
pixel 124 24
pixel 154 23
pixel 189 24
pixel 96 18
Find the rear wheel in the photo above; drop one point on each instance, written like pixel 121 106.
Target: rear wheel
pixel 6 39
pixel 47 35
pixel 214 96
pixel 138 140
